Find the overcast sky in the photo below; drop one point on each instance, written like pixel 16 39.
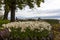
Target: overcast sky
pixel 49 9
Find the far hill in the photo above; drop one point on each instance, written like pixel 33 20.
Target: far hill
pixel 51 21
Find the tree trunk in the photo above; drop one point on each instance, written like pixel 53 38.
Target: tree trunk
pixel 6 12
pixel 13 7
pixel 6 15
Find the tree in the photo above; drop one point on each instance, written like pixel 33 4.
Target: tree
pixel 21 4
pixel 6 8
pixel 0 3
pixel 13 7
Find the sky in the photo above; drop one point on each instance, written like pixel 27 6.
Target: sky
pixel 48 10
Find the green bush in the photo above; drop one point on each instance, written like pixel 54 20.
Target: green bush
pixel 4 22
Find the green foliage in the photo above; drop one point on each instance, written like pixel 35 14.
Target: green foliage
pixel 12 4
pixel 22 3
pixel 6 7
pixel 0 3
pixel 38 2
pixel 17 33
pixel 7 4
pixel 51 21
pixel 42 1
pixel 4 22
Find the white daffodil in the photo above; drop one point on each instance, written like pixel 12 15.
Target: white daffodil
pixel 32 24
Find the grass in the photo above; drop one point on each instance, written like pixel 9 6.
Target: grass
pixel 56 28
pixel 56 31
pixel 4 22
pixel 51 21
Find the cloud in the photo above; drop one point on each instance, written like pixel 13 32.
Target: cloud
pixel 50 4
pixel 49 9
pixel 52 11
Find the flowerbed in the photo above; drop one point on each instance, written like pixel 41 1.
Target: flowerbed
pixel 16 34
pixel 30 30
pixel 31 24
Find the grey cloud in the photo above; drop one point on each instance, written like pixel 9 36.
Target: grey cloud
pixel 50 11
pixel 51 17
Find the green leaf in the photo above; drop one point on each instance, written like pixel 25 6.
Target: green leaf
pixel 43 1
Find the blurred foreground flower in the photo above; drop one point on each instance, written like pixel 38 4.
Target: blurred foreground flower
pixel 31 24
